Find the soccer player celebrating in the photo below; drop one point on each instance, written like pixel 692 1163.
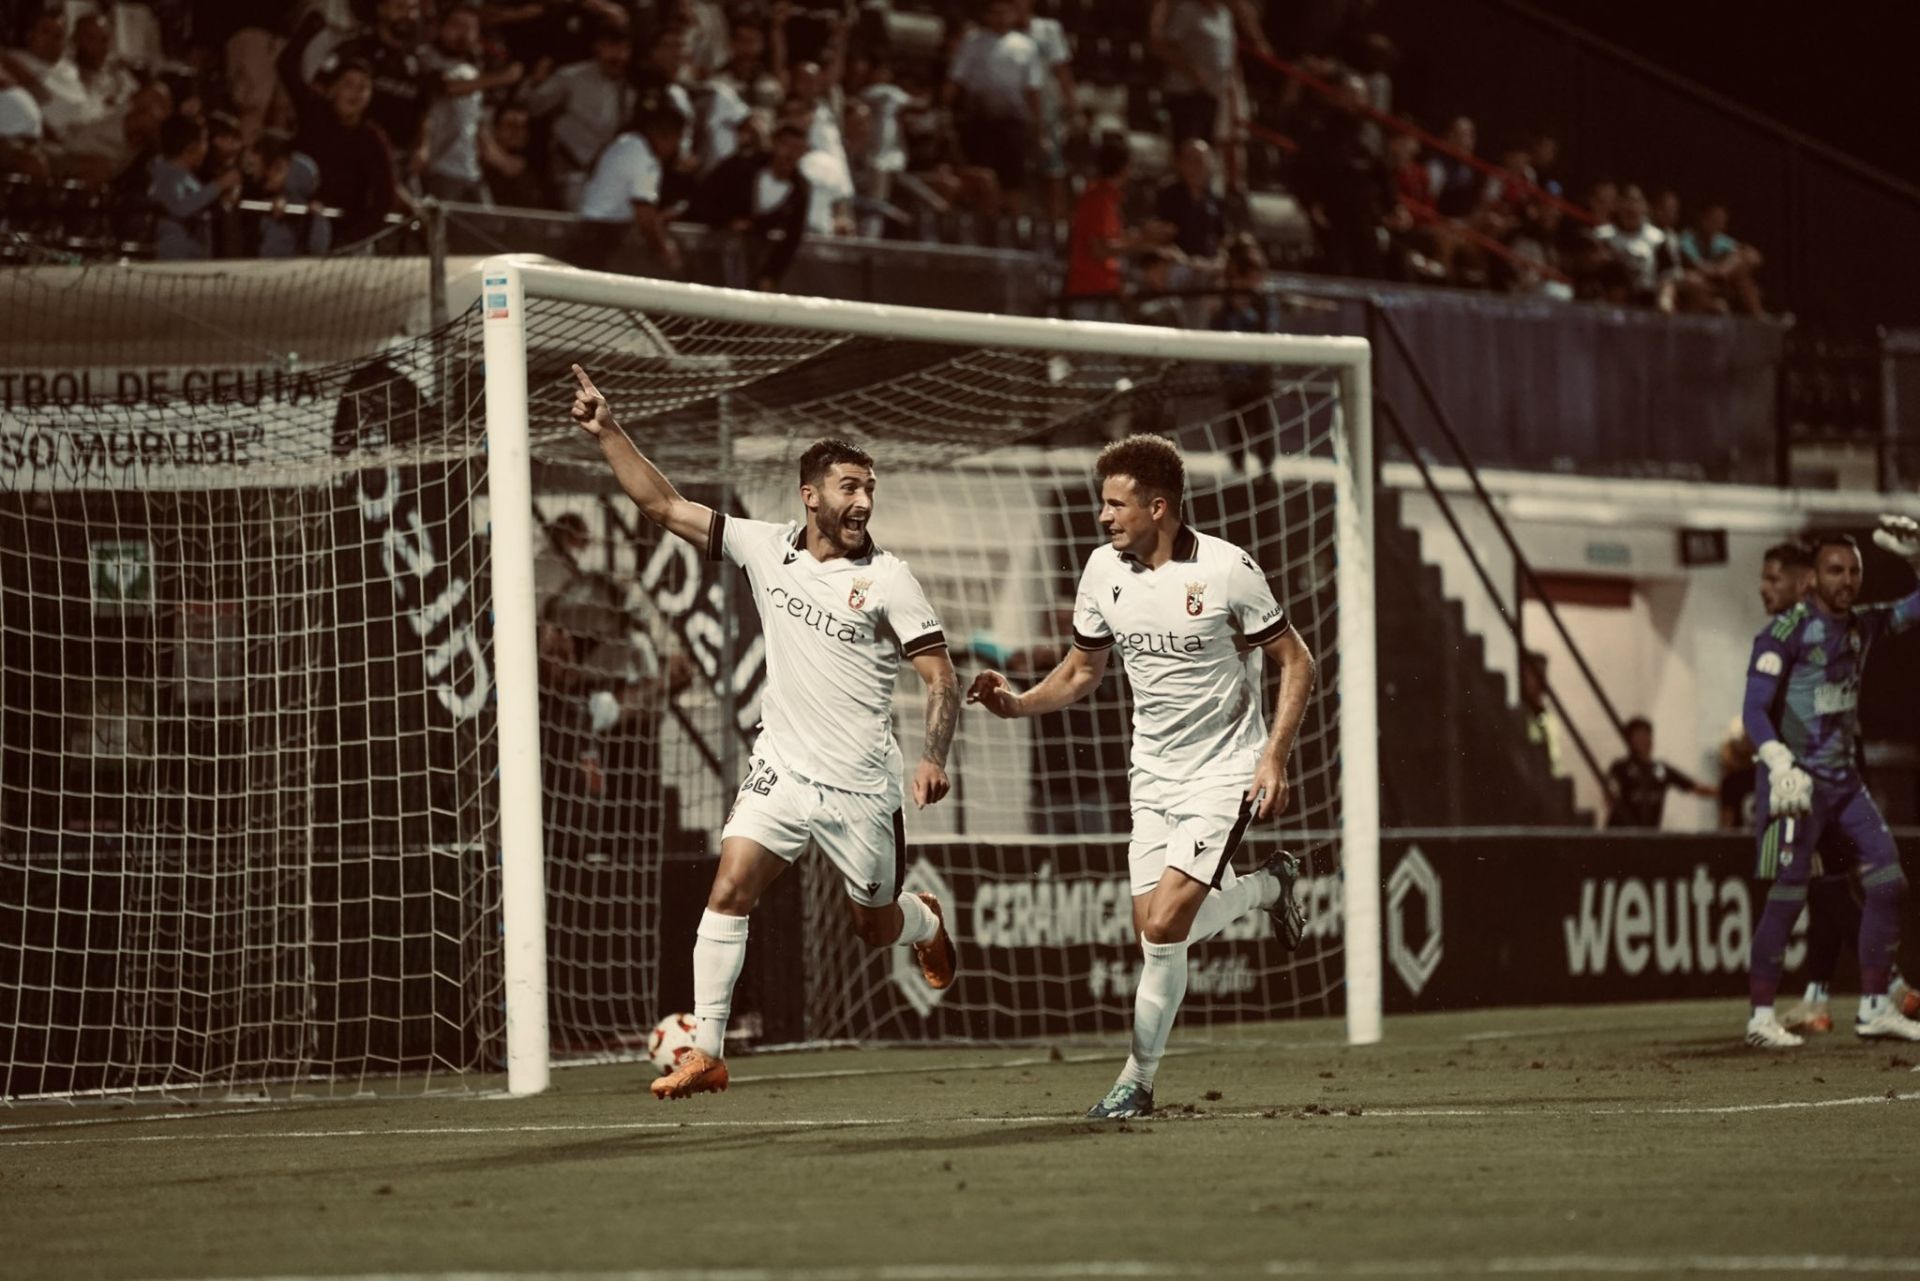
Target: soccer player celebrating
pixel 1801 710
pixel 1189 614
pixel 838 614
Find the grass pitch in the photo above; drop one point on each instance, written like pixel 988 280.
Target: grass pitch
pixel 1639 1140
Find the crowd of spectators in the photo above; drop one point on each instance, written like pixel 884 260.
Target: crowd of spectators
pixel 284 127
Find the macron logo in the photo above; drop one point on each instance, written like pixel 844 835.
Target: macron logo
pixel 1116 593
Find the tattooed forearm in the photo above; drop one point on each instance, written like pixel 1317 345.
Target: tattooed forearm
pixel 943 712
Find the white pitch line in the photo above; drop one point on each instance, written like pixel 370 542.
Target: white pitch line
pixel 147 1118
pixel 803 1123
pixel 1097 1270
pixel 254 1106
pixel 417 1131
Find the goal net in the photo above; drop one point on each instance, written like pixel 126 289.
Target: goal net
pixel 364 732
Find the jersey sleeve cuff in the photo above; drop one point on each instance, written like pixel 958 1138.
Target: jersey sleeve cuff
pixel 1091 643
pixel 925 644
pixel 1271 632
pixel 717 536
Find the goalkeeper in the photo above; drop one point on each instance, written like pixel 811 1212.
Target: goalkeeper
pixel 1801 710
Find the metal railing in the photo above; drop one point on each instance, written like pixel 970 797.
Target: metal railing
pixel 1384 322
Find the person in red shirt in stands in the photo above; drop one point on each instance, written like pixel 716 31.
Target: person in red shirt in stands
pixel 1099 237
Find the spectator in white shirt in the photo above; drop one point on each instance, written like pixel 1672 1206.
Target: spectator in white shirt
pixel 624 190
pixel 453 120
pixel 887 100
pixel 590 102
pixel 1199 40
pixel 46 45
pixel 83 96
pixel 719 113
pixel 707 31
pixel 995 79
pixel 1060 115
pixel 829 180
pixel 1642 249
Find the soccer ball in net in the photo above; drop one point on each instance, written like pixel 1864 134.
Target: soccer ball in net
pixel 672 1037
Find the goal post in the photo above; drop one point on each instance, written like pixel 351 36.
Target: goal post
pixel 515 284
pixel 357 734
pixel 523 884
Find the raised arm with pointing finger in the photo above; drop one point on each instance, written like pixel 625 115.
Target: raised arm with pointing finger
pixel 651 491
pixel 838 615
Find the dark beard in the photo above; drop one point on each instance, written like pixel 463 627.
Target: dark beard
pixel 834 530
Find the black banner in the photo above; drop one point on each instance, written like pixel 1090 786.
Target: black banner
pixel 1047 948
pixel 1470 920
pixel 1563 918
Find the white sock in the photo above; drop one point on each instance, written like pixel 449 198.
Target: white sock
pixel 1816 994
pixel 1223 907
pixel 719 950
pixel 1872 1007
pixel 1761 1013
pixel 1163 985
pixel 917 921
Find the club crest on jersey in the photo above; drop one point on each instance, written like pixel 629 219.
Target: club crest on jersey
pixel 1196 598
pixel 857 594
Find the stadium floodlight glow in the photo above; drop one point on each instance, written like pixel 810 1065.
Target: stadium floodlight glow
pixel 356 732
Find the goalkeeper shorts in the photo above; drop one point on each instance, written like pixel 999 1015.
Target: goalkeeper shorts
pixel 861 833
pixel 1193 828
pixel 1842 832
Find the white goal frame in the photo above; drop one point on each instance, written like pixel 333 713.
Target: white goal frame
pixel 508 281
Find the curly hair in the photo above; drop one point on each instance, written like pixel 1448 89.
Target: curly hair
pixel 1151 462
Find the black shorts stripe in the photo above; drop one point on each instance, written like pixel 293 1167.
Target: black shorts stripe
pixel 1083 641
pixel 925 644
pixel 899 851
pixel 1233 843
pixel 717 536
pixel 1270 633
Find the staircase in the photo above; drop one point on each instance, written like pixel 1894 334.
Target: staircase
pixel 1483 771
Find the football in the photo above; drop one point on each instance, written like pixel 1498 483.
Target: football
pixel 672 1037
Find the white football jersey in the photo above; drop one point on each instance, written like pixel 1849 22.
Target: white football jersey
pixel 1188 634
pixel 835 631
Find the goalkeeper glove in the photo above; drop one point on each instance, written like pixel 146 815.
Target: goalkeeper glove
pixel 1899 535
pixel 1789 788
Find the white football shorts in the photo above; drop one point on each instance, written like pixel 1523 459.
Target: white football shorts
pixel 861 833
pixel 1193 828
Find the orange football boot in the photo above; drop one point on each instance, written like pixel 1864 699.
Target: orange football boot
pixel 696 1073
pixel 937 957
